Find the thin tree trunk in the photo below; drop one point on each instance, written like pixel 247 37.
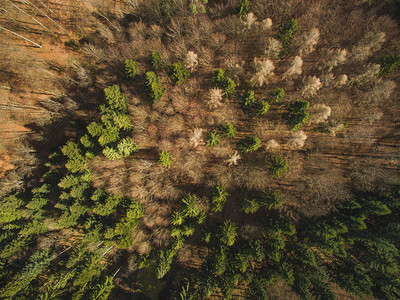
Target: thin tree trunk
pixel 41 11
pixel 25 13
pixel 22 37
pixel 12 19
pixel 48 8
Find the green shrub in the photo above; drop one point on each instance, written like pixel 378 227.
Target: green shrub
pixel 153 86
pixel 165 159
pixel 249 144
pixel 244 8
pixel 228 130
pixel 277 165
pixel 155 60
pixel 213 139
pixel 276 96
pixel 297 115
pixel 389 63
pixel 178 73
pixel 286 33
pixel 130 68
pixel 224 83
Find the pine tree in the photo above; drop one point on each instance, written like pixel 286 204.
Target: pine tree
pixel 249 144
pixel 116 100
pixel 213 139
pixel 153 86
pixel 130 68
pixel 219 196
pixel 178 73
pixel 228 233
pixel 165 159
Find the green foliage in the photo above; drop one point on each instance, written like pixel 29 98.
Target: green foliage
pixel 228 233
pixel 177 218
pixel 389 64
pixel 102 290
pixel 122 121
pixel 95 129
pixel 286 33
pixel 116 100
pixel 110 134
pixel 153 86
pixel 219 195
pixel 224 83
pixel 249 144
pixel 164 263
pixel 111 153
pixel 277 165
pixel 244 8
pixel 198 8
pixel 155 60
pixel 126 147
pixel 165 159
pixel 251 106
pixel 10 209
pixel 228 130
pixel 86 141
pixel 276 96
pixel 178 73
pixel 250 206
pixel 190 206
pixel 297 115
pixel 212 139
pixel 130 68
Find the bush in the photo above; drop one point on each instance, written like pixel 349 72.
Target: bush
pixel 249 144
pixel 178 73
pixel 244 8
pixel 155 60
pixel 224 83
pixel 213 139
pixel 165 159
pixel 130 68
pixel 389 63
pixel 277 165
pixel 228 130
pixel 286 33
pixel 276 96
pixel 153 86
pixel 297 115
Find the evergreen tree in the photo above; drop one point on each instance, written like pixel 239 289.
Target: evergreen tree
pixel 130 68
pixel 249 144
pixel 153 86
pixel 219 196
pixel 178 73
pixel 228 233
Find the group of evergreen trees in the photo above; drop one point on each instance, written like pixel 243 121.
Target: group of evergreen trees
pixel 355 248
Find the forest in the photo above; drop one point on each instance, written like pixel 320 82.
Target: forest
pixel 200 149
